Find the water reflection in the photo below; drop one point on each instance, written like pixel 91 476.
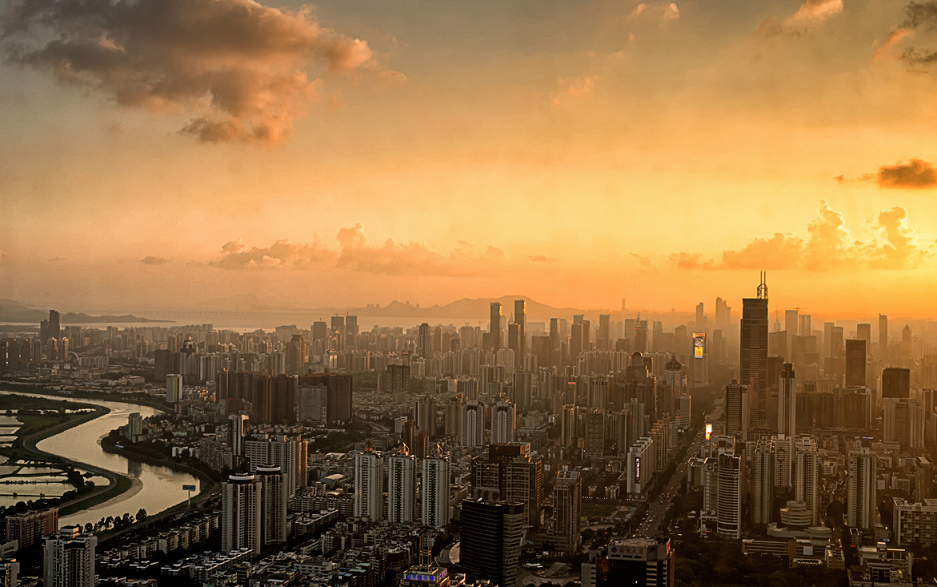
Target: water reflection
pixel 155 488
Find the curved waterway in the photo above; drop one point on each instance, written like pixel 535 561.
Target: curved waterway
pixel 154 488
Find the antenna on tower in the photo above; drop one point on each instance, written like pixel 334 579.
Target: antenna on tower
pixel 763 287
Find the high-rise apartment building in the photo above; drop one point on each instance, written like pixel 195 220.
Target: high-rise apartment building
pixel 473 425
pixel 903 422
pixel 369 484
pixel 28 528
pixel 503 422
pixel 435 489
pixel 763 482
pixel 424 341
pixel 401 486
pixel 567 508
pixel 68 559
pixel 807 475
pixel 855 363
pixel 273 500
pixel 338 394
pixel 861 489
pixel 737 409
pixel 288 453
pixel 241 513
pixel 173 388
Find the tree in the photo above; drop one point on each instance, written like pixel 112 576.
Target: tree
pixel 141 515
pixel 109 522
pixel 89 529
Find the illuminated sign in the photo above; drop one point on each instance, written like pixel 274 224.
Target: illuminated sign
pixel 699 340
pixel 709 431
pixel 637 469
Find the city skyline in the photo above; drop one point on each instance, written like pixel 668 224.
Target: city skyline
pixel 660 152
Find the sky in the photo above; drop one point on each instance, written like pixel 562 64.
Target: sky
pixel 157 153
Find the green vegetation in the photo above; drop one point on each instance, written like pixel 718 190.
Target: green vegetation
pixel 123 484
pixel 598 509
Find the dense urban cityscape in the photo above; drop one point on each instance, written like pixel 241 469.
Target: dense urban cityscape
pixel 593 452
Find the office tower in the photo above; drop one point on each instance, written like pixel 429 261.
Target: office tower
pixel 491 540
pixel 882 337
pixel 555 333
pixel 173 388
pixel 567 505
pixel 640 336
pixel 424 342
pixel 723 314
pixel 595 433
pixel 763 482
pixel 55 330
pixel 494 327
pixel 861 488
pixel 296 354
pixel 520 319
pixel 241 513
pixel 787 401
pixel 684 411
pixel 338 332
pixel 369 480
pixel 807 476
pixel 424 416
pixel 578 341
pixel 503 422
pixel 896 383
pixel 454 417
pixel 636 562
pixel 903 422
pixel 68 559
pixel 523 482
pixel 855 363
pixel 737 410
pixel 791 323
pixel 273 502
pixel 753 360
pixel 28 528
pixel 435 489
pixel 603 336
pixel 729 501
pixel 473 425
pixel 351 332
pixel 569 425
pixel 320 334
pixel 864 332
pixel 288 453
pixel 338 394
pixel 427 572
pixel 401 486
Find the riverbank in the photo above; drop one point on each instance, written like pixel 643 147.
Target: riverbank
pixel 140 399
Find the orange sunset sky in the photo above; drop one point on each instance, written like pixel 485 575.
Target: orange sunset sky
pixel 157 153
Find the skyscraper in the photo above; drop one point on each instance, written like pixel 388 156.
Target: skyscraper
pixel 338 394
pixel 520 319
pixel 737 409
pixel 287 453
pixel 491 540
pixel 729 500
pixel 173 388
pixel 603 336
pixel 55 330
pixel 369 480
pixel 787 401
pixel 494 326
pixel 903 422
pixel 273 502
pixel 401 488
pixel 855 363
pixel 807 475
pixel 763 482
pixel 882 337
pixel 567 505
pixel 68 559
pixel 435 489
pixel 595 433
pixel 896 383
pixel 753 345
pixel 241 513
pixel 424 343
pixel 861 489
pixel 635 562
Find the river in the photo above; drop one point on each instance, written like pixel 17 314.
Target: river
pixel 155 488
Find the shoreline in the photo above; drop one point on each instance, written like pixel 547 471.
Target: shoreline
pixel 101 396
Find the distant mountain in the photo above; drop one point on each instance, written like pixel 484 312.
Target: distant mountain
pixel 11 311
pixel 472 308
pixel 239 303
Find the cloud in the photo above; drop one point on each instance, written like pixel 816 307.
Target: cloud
pixel 810 15
pixel 577 87
pixel 828 247
pixel 638 10
pixel 894 39
pixel 671 13
pixel 540 259
pixel 238 67
pixel 283 253
pixel 154 260
pixel 915 173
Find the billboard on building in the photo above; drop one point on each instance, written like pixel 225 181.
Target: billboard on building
pixel 699 342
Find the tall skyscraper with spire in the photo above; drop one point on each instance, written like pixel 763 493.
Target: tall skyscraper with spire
pixel 494 326
pixel 753 352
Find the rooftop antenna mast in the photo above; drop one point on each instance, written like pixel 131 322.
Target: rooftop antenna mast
pixel 763 287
